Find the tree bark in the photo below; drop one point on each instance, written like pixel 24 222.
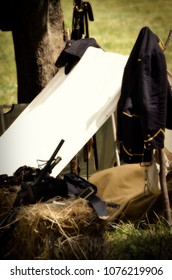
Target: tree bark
pixel 38 35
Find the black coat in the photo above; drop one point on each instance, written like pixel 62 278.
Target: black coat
pixel 145 102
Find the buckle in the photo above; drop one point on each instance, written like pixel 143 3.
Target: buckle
pixel 87 193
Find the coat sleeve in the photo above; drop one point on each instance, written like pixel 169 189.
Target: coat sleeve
pixel 153 88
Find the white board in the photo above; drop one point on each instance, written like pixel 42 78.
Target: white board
pixel 71 107
pixel 168 139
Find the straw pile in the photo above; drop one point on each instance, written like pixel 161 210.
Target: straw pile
pixel 62 229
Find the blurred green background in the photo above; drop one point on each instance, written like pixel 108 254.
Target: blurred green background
pixel 116 27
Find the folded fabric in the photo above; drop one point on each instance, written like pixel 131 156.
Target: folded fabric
pixel 73 52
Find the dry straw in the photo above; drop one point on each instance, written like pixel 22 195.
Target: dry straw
pixel 60 229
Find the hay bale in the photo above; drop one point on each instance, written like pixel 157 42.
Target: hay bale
pixel 65 229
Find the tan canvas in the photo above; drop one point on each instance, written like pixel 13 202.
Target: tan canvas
pixel 124 185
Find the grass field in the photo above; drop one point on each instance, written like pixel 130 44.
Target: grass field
pixel 118 22
pixel 116 27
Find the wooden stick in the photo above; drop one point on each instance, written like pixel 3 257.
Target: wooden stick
pixel 169 73
pixel 164 190
pixel 168 39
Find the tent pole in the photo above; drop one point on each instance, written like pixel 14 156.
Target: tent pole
pixel 164 190
pixel 114 137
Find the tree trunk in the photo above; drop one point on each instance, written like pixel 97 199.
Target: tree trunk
pixel 38 35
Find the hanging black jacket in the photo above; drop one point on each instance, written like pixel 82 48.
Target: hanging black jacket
pixel 143 110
